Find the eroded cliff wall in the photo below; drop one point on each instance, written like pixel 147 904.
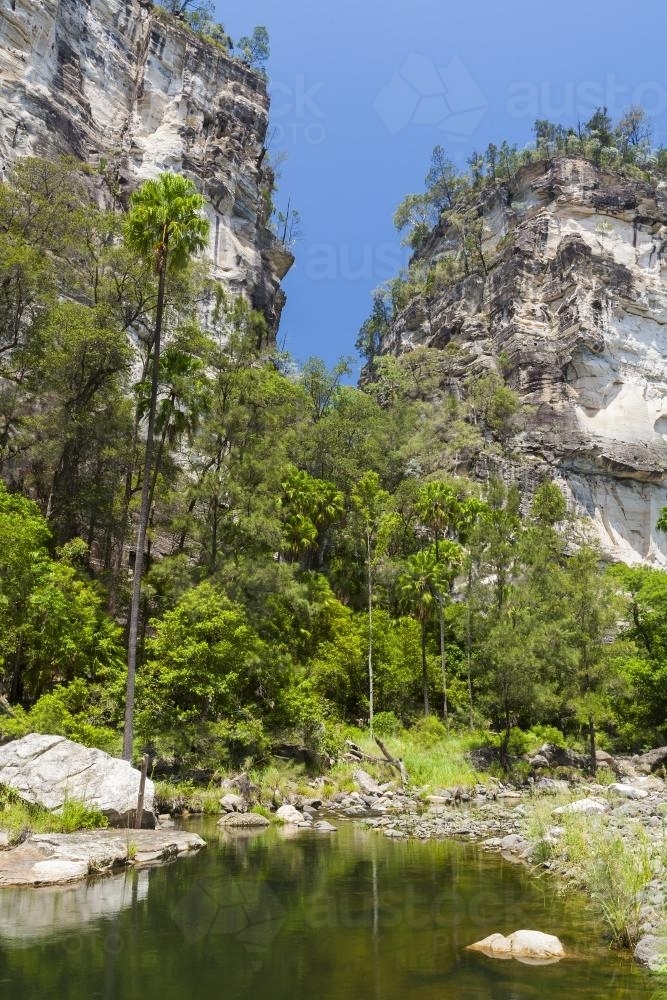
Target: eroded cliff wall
pixel 119 81
pixel 574 312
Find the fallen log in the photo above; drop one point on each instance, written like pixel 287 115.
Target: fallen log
pixel 356 753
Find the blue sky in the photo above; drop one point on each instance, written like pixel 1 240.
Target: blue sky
pixel 362 90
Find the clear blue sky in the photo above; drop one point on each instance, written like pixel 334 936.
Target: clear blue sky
pixel 346 80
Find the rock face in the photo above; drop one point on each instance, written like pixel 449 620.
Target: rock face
pixel 121 84
pixel 49 770
pixel 573 311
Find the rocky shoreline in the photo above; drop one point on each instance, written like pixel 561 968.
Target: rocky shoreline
pixel 59 858
pixel 503 819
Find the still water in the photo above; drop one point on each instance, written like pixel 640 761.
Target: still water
pixel 345 916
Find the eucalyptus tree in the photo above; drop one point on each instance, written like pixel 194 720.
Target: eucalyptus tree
pixel 166 228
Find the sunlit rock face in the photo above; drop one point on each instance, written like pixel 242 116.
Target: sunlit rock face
pixel 575 305
pixel 118 83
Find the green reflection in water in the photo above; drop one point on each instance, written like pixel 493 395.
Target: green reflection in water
pixel 279 917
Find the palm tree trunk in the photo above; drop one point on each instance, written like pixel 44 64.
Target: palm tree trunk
pixel 443 660
pixel 135 604
pixel 469 648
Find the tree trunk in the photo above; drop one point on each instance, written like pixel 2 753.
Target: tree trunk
pixel 135 604
pixel 370 637
pixel 443 661
pixel 424 671
pixel 591 743
pixel 505 743
pixel 469 648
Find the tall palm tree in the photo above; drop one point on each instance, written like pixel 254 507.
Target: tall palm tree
pixel 421 587
pixel 166 228
pixel 440 509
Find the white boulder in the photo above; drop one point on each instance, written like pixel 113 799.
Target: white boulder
pixel 524 945
pixel 233 803
pixel 290 814
pixel 628 791
pixel 50 770
pixel 582 806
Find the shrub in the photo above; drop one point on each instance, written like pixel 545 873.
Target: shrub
pixel 64 712
pixel 387 724
pixel 428 732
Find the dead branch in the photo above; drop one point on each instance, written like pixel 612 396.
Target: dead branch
pixel 356 753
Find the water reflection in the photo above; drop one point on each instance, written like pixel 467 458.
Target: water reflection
pixel 347 916
pixel 27 915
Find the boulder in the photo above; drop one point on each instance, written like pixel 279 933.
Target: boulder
pixel 289 814
pixel 524 945
pixel 582 806
pixel 367 784
pixel 628 791
pixel 604 759
pixel 513 843
pixel 651 952
pixel 233 803
pixel 551 786
pixel 651 761
pixel 538 760
pixel 323 827
pixel 49 770
pixel 562 756
pixel 243 820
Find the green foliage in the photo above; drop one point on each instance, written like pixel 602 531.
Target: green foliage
pixel 206 669
pixel 22 819
pixel 78 710
pixel 255 49
pixel 428 732
pixel 387 724
pixel 53 628
pixel 317 556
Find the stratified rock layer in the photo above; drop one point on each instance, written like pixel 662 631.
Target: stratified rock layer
pixel 121 85
pixel 574 311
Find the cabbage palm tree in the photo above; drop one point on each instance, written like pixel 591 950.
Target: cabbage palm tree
pixel 164 227
pixel 421 585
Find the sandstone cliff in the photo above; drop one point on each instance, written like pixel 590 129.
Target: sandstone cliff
pixel 574 311
pixel 122 83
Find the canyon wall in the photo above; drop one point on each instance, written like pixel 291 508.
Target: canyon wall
pixel 124 86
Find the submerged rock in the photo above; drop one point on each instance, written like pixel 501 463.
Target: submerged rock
pixel 50 770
